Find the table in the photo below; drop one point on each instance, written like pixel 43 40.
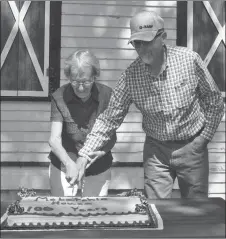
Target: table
pixel 181 218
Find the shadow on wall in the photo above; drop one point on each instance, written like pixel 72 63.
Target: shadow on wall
pixel 104 28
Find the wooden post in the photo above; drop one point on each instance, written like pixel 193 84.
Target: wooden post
pixel 182 23
pixel 55 45
pixel 190 25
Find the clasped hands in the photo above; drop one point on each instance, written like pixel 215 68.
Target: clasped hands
pixel 76 170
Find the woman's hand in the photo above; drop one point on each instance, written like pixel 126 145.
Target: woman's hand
pixel 71 169
pixel 76 170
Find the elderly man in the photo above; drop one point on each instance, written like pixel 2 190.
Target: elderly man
pixel 74 109
pixel 181 108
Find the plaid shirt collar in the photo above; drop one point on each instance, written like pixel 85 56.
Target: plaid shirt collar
pixel 145 66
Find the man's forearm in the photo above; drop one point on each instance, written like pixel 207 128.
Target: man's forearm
pixel 110 144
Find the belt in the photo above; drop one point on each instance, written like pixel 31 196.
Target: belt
pixel 183 141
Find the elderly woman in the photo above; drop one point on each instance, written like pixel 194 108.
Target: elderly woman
pixel 74 109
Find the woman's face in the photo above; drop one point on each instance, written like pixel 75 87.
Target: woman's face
pixel 82 83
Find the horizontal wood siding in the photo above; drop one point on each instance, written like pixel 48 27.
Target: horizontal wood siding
pixel 103 27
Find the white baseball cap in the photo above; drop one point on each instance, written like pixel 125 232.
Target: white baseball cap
pixel 144 26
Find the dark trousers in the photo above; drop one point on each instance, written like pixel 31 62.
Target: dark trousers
pixel 164 161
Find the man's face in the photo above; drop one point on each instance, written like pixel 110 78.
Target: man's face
pixel 82 83
pixel 149 51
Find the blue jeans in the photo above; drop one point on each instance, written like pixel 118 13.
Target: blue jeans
pixel 164 161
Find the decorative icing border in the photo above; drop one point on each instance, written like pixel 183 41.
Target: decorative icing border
pixel 79 214
pixel 79 225
pixel 156 216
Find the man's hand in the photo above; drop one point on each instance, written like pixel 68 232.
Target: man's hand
pixel 75 171
pixel 200 143
pixel 94 156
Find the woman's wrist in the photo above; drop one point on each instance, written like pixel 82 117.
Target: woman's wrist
pixel 83 160
pixel 67 161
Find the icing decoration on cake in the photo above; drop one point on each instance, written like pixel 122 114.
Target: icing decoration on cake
pixel 143 206
pixel 15 208
pixel 25 192
pixel 132 193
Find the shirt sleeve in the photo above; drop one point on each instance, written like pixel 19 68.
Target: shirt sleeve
pixel 211 99
pixel 55 113
pixel 107 123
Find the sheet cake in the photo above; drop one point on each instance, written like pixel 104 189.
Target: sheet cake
pixel 74 212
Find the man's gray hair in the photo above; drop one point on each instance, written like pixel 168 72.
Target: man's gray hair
pixel 81 58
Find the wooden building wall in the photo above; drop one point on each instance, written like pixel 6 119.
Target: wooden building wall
pixel 25 127
pixel 104 28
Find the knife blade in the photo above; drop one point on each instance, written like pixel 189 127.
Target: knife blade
pixel 82 186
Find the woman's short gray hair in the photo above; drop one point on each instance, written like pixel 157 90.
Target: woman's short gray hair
pixel 80 59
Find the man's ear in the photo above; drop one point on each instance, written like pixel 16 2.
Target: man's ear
pixel 164 36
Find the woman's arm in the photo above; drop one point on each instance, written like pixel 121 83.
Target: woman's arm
pixel 57 148
pixel 55 142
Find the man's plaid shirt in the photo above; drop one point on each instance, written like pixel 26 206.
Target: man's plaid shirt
pixel 175 105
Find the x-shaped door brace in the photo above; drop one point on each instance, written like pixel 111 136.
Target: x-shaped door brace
pixel 221 32
pixel 19 24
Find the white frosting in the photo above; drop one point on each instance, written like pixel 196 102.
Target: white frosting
pixel 76 210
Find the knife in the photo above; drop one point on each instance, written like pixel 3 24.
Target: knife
pixel 82 186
